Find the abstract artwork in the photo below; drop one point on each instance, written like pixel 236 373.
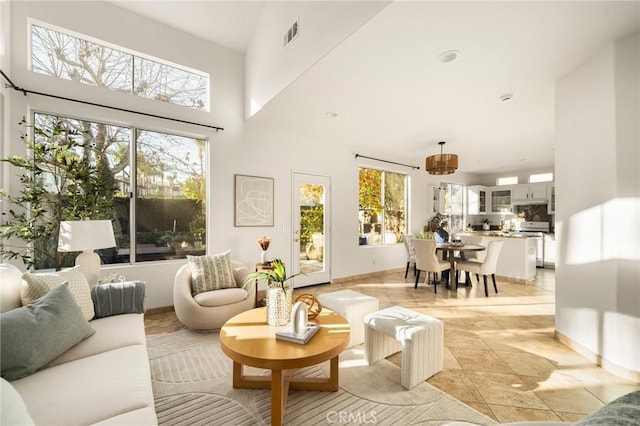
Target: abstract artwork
pixel 253 201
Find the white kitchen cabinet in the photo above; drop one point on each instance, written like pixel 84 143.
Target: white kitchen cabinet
pixel 529 193
pixel 501 200
pixel 550 251
pixel 435 199
pixel 477 199
pixel 551 199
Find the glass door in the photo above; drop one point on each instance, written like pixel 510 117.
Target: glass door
pixel 311 237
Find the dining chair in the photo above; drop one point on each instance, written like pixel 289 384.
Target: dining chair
pixel 411 253
pixel 427 260
pixel 484 268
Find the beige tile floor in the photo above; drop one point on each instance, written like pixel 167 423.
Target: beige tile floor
pixel 500 354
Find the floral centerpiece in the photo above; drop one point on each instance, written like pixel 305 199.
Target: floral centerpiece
pixel 264 245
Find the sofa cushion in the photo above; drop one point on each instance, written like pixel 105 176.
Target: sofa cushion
pixel 110 333
pixel 225 296
pixel 211 272
pixel 34 335
pixel 37 285
pixel 13 411
pixel 90 390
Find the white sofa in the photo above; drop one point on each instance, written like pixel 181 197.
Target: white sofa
pixel 104 379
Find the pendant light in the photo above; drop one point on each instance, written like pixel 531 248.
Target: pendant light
pixel 441 164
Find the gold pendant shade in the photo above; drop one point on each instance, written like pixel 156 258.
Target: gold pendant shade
pixel 441 164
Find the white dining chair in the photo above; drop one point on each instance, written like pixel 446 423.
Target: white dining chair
pixel 407 239
pixel 484 268
pixel 427 260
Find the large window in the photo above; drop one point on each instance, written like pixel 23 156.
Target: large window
pixel 60 54
pixel 165 219
pixel 382 207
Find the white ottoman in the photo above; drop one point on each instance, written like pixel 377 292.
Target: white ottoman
pixel 420 337
pixel 353 306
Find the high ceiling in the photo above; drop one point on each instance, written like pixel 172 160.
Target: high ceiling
pixel 395 100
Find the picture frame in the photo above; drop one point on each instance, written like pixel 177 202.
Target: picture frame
pixel 253 200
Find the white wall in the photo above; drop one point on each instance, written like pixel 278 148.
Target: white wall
pixel 5 66
pixel 242 148
pixel 322 26
pixel 597 214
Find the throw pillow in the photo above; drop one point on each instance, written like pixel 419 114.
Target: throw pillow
pixel 118 298
pixel 40 284
pixel 211 272
pixel 34 335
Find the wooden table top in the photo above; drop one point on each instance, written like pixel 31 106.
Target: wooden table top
pixel 247 339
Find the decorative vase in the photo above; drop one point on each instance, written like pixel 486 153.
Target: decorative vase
pixel 279 304
pixel 263 257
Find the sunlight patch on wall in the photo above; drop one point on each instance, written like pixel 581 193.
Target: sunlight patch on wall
pixel 607 231
pixel 255 107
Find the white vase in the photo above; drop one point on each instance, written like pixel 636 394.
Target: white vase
pixel 278 304
pixel 263 257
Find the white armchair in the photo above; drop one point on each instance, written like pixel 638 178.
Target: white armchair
pixel 211 309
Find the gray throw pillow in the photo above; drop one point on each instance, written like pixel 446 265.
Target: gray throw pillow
pixel 118 298
pixel 36 334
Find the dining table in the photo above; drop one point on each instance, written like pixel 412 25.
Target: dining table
pixel 453 247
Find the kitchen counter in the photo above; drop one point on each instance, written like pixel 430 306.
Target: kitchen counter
pixel 517 260
pixel 502 234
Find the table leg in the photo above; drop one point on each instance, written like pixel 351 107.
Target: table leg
pixel 277 397
pixel 452 271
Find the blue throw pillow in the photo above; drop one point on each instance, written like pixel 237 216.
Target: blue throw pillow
pixel 36 334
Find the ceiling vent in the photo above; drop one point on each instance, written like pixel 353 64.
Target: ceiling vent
pixel 290 34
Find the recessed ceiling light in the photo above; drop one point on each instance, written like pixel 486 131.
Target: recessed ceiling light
pixel 506 97
pixel 330 114
pixel 448 56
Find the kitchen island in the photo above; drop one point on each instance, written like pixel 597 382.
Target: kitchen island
pixel 517 260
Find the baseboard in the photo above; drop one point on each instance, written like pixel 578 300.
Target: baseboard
pixel 160 310
pixel 611 367
pixel 367 275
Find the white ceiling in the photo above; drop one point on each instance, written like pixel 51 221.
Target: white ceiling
pixel 396 101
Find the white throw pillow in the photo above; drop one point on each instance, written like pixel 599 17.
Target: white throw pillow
pixel 211 272
pixel 37 285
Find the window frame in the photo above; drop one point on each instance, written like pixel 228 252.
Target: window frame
pixel 134 54
pixel 133 185
pixel 407 193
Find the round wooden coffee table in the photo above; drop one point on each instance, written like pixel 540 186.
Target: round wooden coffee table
pixel 248 340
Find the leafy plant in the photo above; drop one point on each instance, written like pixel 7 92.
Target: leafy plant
pixel 277 274
pixel 425 235
pixel 439 220
pixel 63 179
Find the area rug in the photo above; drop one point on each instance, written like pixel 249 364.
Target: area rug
pixel 192 385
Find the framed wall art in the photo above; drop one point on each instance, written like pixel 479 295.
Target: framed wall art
pixel 253 201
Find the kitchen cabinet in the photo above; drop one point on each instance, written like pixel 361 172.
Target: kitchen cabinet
pixel 529 193
pixel 477 199
pixel 435 199
pixel 551 199
pixel 550 251
pixel 500 200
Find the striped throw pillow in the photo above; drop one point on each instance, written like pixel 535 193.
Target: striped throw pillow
pixel 211 272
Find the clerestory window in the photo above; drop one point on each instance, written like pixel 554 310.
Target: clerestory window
pixel 61 54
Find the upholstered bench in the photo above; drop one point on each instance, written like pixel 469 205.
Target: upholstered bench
pixel 420 337
pixel 353 306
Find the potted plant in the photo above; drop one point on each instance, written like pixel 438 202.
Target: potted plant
pixel 279 291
